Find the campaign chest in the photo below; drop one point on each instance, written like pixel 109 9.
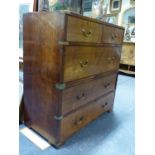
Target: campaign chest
pixel 71 64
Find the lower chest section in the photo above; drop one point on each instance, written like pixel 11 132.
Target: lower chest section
pixel 73 122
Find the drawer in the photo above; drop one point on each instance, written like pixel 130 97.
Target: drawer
pixel 73 122
pixel 84 61
pixel 80 30
pixel 81 94
pixel 112 35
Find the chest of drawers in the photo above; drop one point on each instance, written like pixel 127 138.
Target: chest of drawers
pixel 70 72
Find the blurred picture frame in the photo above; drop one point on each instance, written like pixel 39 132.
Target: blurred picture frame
pixel 110 18
pixel 60 5
pixel 115 5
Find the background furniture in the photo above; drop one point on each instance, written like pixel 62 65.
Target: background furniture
pixel 127 63
pixel 128 21
pixel 71 64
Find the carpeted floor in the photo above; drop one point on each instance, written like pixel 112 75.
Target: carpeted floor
pixel 110 134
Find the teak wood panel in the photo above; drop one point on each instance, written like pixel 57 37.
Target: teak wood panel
pixel 81 94
pixel 72 123
pixel 112 35
pixel 41 33
pixel 42 63
pixel 80 30
pixel 41 104
pixel 84 61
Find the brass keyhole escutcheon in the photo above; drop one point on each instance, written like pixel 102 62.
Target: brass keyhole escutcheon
pixel 86 33
pixel 83 63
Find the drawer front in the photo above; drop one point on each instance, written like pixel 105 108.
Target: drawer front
pixel 79 95
pixel 73 122
pixel 80 30
pixel 112 35
pixel 84 61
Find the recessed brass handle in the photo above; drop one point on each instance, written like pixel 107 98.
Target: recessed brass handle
pixel 79 120
pixel 111 59
pixel 106 103
pixel 78 97
pixel 83 63
pixel 86 33
pixel 107 85
pixel 113 36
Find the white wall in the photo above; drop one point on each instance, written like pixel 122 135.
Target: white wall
pixel 125 5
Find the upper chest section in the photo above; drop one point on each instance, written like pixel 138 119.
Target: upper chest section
pixel 87 30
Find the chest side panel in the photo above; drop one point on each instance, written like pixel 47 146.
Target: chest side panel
pixel 42 69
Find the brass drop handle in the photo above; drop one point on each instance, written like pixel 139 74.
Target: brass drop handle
pixel 78 97
pixel 83 63
pixel 86 33
pixel 107 85
pixel 105 104
pixel 113 36
pixel 111 59
pixel 79 120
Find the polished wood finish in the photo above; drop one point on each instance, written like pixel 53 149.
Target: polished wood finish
pixel 41 69
pixel 84 61
pixel 112 35
pixel 67 75
pixel 80 118
pixel 81 94
pixel 80 30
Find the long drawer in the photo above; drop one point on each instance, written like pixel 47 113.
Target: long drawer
pixel 73 122
pixel 84 61
pixel 80 30
pixel 79 95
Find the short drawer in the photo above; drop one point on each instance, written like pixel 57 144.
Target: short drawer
pixel 80 30
pixel 73 122
pixel 84 61
pixel 79 95
pixel 112 35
